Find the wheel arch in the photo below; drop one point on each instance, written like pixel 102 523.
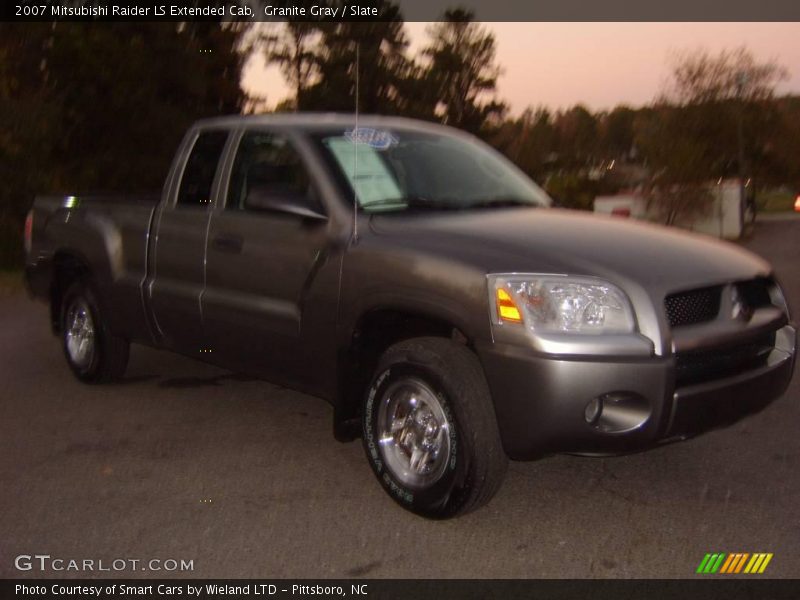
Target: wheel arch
pixel 67 267
pixel 372 334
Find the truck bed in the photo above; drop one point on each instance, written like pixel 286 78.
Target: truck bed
pixel 108 232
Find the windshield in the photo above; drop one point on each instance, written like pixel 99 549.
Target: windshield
pixel 399 170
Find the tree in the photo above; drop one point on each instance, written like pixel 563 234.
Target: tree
pixel 703 78
pixel 780 154
pixel 88 106
pixel 678 203
pixel 380 47
pixel 462 70
pixel 728 104
pixel 529 141
pixel 120 83
pixel 712 120
pixel 416 96
pixel 678 156
pixel 577 137
pixel 28 120
pixel 616 133
pixel 292 48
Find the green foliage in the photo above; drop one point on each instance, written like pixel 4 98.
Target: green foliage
pixel 128 93
pixel 680 202
pixel 453 80
pixel 530 141
pixel 717 118
pixel 382 65
pixel 678 144
pixel 28 119
pixel 779 156
pixel 775 201
pixel 701 78
pixel 577 137
pixel 574 190
pixel 462 71
pixel 87 106
pixel 292 47
pixel 102 106
pixel 572 151
pixel 616 133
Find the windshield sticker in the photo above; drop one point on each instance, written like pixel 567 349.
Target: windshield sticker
pixel 365 170
pixel 380 139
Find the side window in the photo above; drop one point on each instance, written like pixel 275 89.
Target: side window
pixel 198 174
pixel 267 166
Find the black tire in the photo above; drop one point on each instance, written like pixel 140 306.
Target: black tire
pixel 108 357
pixel 475 462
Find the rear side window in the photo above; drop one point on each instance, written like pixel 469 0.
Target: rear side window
pixel 198 175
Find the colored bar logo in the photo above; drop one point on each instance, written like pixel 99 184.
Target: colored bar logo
pixel 737 562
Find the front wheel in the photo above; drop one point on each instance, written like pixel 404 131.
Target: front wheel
pixel 93 353
pixel 430 431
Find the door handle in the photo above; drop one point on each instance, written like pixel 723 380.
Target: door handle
pixel 228 243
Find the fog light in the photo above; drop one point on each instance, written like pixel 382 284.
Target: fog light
pixel 594 409
pixel 617 412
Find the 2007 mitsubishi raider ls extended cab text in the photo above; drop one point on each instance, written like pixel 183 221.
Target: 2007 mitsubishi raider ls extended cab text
pixel 415 279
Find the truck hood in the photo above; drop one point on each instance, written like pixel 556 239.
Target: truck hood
pixel 657 258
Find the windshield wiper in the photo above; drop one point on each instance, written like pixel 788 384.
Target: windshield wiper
pixel 415 202
pixel 423 202
pixel 435 203
pixel 501 203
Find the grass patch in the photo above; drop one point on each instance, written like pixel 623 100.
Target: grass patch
pixel 775 201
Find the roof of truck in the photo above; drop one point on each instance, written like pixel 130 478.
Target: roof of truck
pixel 315 120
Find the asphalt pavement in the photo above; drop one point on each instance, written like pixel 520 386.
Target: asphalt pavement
pixel 187 462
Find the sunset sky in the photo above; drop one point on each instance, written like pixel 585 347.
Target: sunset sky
pixel 599 65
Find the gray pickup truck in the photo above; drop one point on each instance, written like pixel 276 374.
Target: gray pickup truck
pixel 420 283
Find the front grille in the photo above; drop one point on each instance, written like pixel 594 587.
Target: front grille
pixel 698 366
pixel 691 308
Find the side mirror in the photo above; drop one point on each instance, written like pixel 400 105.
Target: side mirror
pixel 284 202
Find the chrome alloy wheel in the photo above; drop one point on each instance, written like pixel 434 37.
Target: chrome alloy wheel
pixel 413 433
pixel 80 334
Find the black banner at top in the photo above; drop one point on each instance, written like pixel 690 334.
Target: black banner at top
pixel 410 10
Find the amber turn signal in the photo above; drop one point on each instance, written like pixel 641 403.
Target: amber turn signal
pixel 506 308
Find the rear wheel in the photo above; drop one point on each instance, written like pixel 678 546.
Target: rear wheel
pixel 93 353
pixel 430 432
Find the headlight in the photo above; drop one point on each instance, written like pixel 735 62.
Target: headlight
pixel 560 304
pixel 778 298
